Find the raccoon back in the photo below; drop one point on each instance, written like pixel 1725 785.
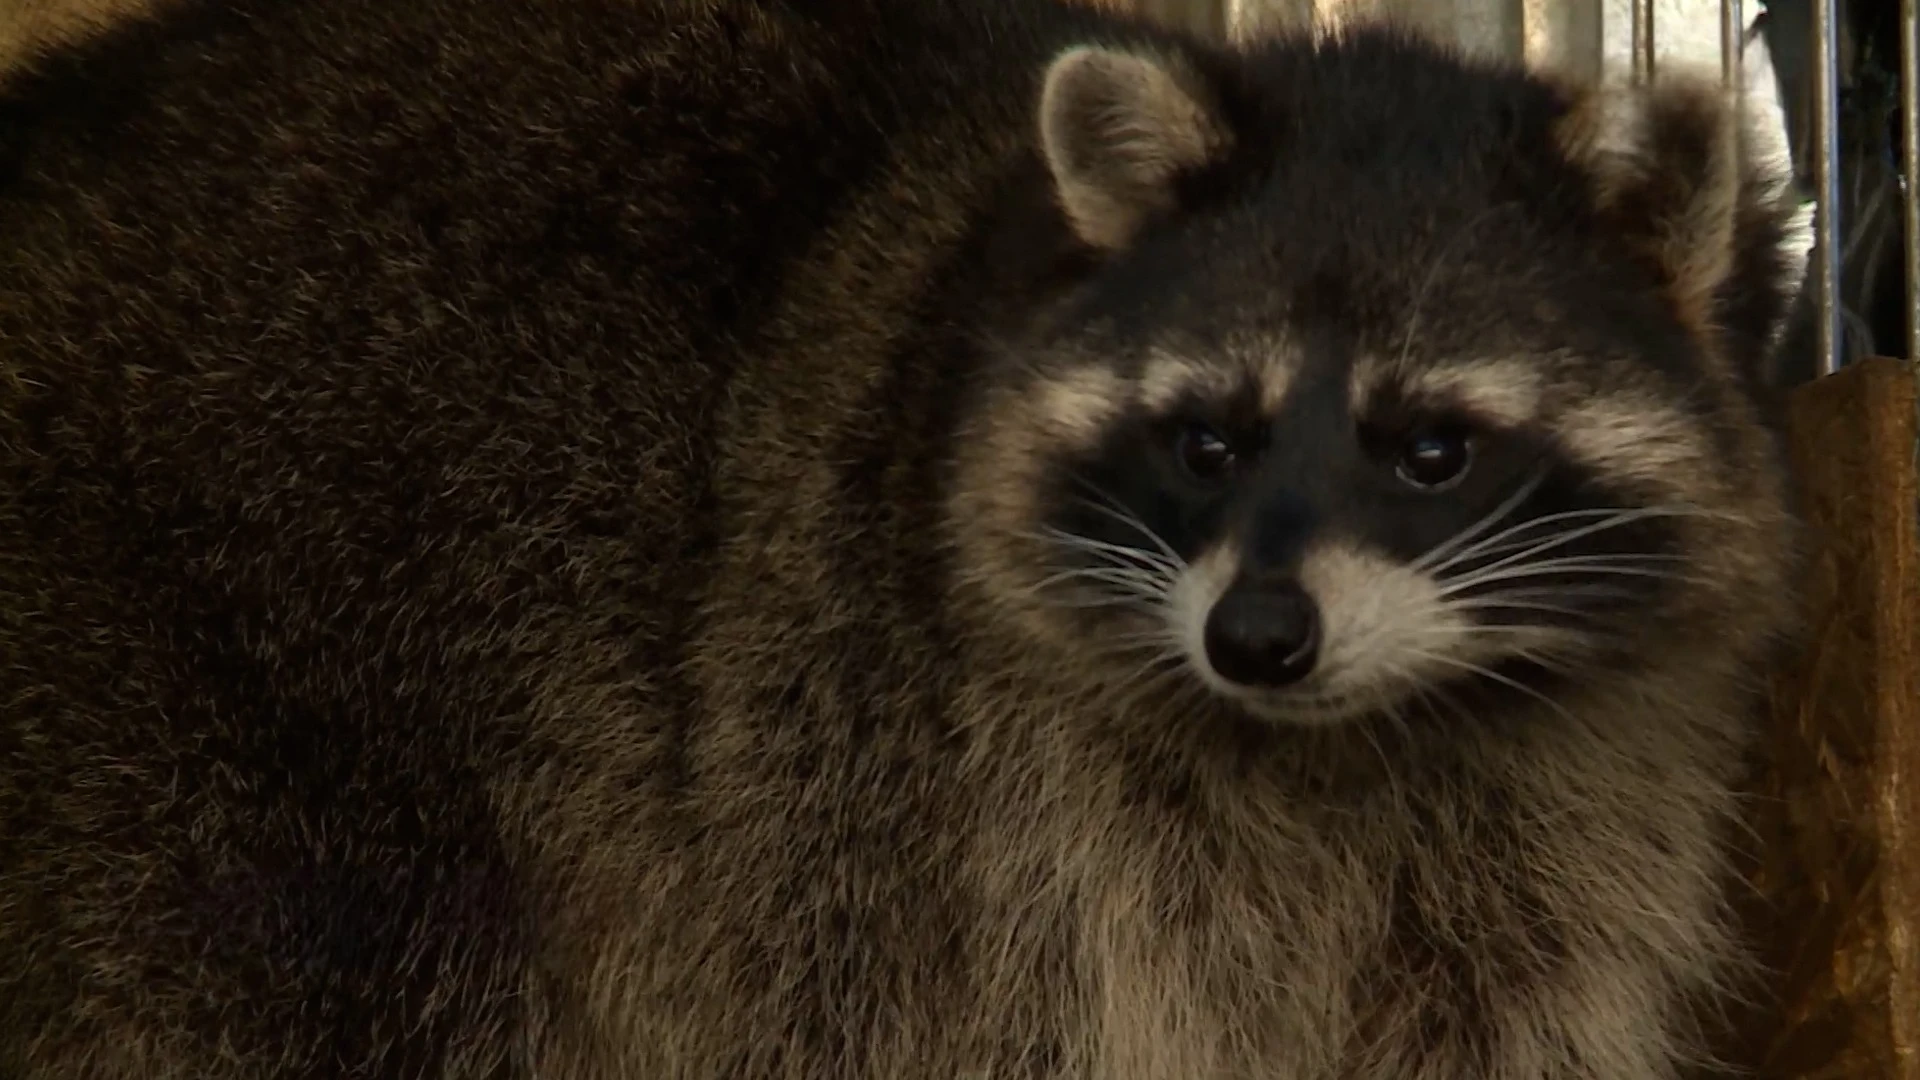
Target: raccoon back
pixel 370 381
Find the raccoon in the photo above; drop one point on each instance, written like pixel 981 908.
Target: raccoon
pixel 870 540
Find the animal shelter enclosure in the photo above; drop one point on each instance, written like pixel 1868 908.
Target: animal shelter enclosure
pixel 1835 806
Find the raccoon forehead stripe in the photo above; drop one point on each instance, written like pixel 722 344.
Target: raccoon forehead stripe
pixel 1635 437
pixel 1506 392
pixel 1080 404
pixel 1169 376
pixel 1273 367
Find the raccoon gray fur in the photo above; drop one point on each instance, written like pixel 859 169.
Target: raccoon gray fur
pixel 869 540
pixel 32 29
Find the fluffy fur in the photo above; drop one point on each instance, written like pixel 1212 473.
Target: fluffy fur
pixel 32 30
pixel 644 538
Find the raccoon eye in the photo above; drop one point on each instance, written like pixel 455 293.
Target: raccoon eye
pixel 1203 453
pixel 1434 461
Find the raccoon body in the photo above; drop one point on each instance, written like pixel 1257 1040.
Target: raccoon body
pixel 868 541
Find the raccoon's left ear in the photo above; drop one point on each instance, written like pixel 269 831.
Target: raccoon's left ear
pixel 1680 176
pixel 1118 129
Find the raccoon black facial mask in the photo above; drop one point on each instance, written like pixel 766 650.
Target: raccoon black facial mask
pixel 865 540
pixel 1345 374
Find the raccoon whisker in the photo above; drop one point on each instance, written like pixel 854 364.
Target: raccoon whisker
pixel 1503 548
pixel 1151 586
pixel 1152 660
pixel 1551 650
pixel 1611 517
pixel 1080 542
pixel 1330 700
pixel 1512 540
pixel 1323 707
pixel 1493 572
pixel 1550 663
pixel 1124 578
pixel 1538 635
pixel 1187 690
pixel 1441 697
pixel 1570 568
pixel 1509 631
pixel 1169 676
pixel 1142 648
pixel 1094 599
pixel 1493 517
pixel 1394 716
pixel 1661 510
pixel 1156 636
pixel 1130 555
pixel 1554 592
pixel 1376 704
pixel 1494 586
pixel 1532 557
pixel 1493 602
pixel 1134 581
pixel 1549 595
pixel 1141 605
pixel 1542 643
pixel 1557 539
pixel 1117 510
pixel 1146 575
pixel 1152 674
pixel 1398 717
pixel 1119 575
pixel 1164 638
pixel 1605 558
pixel 1384 704
pixel 1058 592
pixel 1494 676
pixel 1454 705
pixel 1150 667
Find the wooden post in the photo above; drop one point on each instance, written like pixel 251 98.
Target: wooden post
pixel 1837 811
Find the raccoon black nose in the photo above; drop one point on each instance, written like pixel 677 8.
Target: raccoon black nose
pixel 1264 635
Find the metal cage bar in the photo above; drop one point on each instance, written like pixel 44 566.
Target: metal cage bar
pixel 1826 268
pixel 1910 167
pixel 1826 183
pixel 1643 39
pixel 1733 33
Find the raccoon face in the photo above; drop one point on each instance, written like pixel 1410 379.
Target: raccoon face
pixel 1398 383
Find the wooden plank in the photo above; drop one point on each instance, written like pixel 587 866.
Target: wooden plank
pixel 1837 809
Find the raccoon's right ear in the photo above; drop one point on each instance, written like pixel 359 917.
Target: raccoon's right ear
pixel 1118 129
